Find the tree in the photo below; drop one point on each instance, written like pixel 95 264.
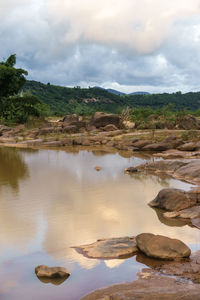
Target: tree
pixel 16 107
pixel 11 79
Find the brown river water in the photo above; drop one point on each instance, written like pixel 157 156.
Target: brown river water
pixel 51 200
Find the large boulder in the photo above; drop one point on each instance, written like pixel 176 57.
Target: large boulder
pixel 101 119
pixel 173 200
pixel 189 122
pixel 53 272
pixel 110 248
pixel 161 247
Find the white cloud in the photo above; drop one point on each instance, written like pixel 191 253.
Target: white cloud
pixel 130 44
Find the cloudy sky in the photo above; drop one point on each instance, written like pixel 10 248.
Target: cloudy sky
pixel 129 45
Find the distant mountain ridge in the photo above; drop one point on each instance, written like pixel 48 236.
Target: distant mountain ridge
pixel 115 92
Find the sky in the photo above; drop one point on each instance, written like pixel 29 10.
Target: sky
pixel 128 45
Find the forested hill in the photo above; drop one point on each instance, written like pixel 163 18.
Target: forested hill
pixel 78 100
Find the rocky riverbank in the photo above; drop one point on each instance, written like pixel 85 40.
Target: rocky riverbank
pixel 103 130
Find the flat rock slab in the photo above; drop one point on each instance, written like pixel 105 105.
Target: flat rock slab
pixel 161 247
pixel 149 286
pixel 43 271
pixel 110 248
pixel 188 170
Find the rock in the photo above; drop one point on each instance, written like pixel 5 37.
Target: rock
pixel 149 286
pixel 70 118
pixel 188 122
pixel 97 168
pixel 161 247
pixel 54 272
pixel 44 131
pixel 188 170
pixel 196 222
pixel 190 213
pixel 131 170
pixel 173 200
pixel 53 144
pixel 101 119
pixel 78 124
pixel 188 269
pixel 70 129
pixel 141 143
pixel 109 127
pixel 188 147
pixel 110 248
pixel 156 147
pixel 4 129
pixel 169 154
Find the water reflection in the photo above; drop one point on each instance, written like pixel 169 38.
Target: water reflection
pixel 12 167
pixel 63 202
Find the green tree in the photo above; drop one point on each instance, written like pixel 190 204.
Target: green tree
pixel 16 108
pixel 11 79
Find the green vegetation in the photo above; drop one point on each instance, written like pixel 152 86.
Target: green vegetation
pixel 62 100
pixel 15 108
pixel 21 100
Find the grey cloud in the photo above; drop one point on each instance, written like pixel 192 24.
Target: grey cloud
pixel 147 44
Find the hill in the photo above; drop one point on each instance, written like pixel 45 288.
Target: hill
pixel 62 100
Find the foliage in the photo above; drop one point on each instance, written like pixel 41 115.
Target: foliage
pixel 15 108
pixel 63 100
pixel 11 79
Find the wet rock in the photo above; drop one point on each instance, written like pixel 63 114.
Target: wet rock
pixel 43 271
pixel 101 119
pixel 161 247
pixel 110 248
pixel 189 213
pixel 149 286
pixel 131 170
pixel 173 200
pixel 188 269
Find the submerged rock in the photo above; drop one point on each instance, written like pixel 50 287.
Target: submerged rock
pixel 43 271
pixel 110 248
pixel 161 247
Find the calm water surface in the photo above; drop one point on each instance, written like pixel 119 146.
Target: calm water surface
pixel 53 200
